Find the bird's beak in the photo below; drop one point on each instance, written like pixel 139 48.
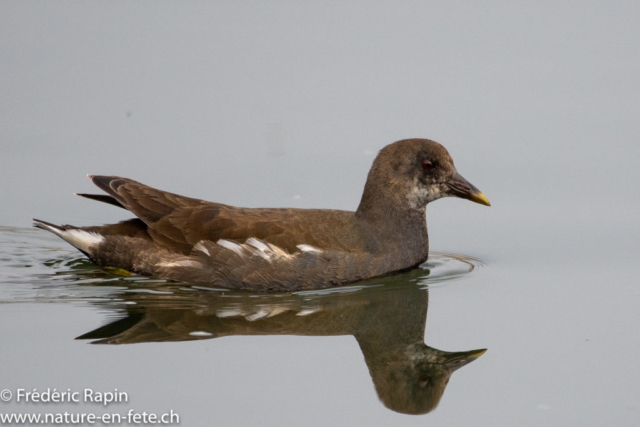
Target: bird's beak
pixel 460 187
pixel 457 360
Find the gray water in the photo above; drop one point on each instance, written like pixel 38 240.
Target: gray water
pixel 285 104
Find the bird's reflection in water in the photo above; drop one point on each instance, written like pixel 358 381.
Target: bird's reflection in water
pixel 387 317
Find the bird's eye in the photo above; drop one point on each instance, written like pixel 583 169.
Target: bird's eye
pixel 427 165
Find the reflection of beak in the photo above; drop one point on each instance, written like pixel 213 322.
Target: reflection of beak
pixel 457 360
pixel 460 187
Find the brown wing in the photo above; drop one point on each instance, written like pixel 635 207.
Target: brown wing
pixel 177 222
pixel 147 203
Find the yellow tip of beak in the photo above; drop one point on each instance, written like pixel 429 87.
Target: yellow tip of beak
pixel 479 353
pixel 479 198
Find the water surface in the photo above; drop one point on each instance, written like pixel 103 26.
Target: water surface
pixel 387 316
pixel 284 104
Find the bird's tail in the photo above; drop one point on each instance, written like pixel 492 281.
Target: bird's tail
pixel 55 229
pixel 78 238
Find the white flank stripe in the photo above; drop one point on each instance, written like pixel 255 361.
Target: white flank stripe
pixel 235 247
pixel 308 248
pixel 201 248
pixel 277 310
pixel 180 263
pixel 259 315
pixel 252 241
pixel 256 247
pixel 307 311
pixel 229 313
pixel 200 334
pixel 278 251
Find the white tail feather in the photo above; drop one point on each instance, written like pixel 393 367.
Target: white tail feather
pixel 80 239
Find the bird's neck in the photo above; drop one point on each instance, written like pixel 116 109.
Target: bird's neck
pixel 396 226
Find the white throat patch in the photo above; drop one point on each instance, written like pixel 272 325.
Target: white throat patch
pixel 419 196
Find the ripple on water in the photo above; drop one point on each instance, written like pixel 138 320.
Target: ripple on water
pixel 36 267
pixel 445 267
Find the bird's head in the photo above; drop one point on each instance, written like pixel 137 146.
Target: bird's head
pixel 414 172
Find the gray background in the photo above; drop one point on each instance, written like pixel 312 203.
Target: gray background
pixel 285 104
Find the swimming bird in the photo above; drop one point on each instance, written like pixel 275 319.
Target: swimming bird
pixel 266 249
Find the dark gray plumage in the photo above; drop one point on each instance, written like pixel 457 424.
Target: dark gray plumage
pixel 192 240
